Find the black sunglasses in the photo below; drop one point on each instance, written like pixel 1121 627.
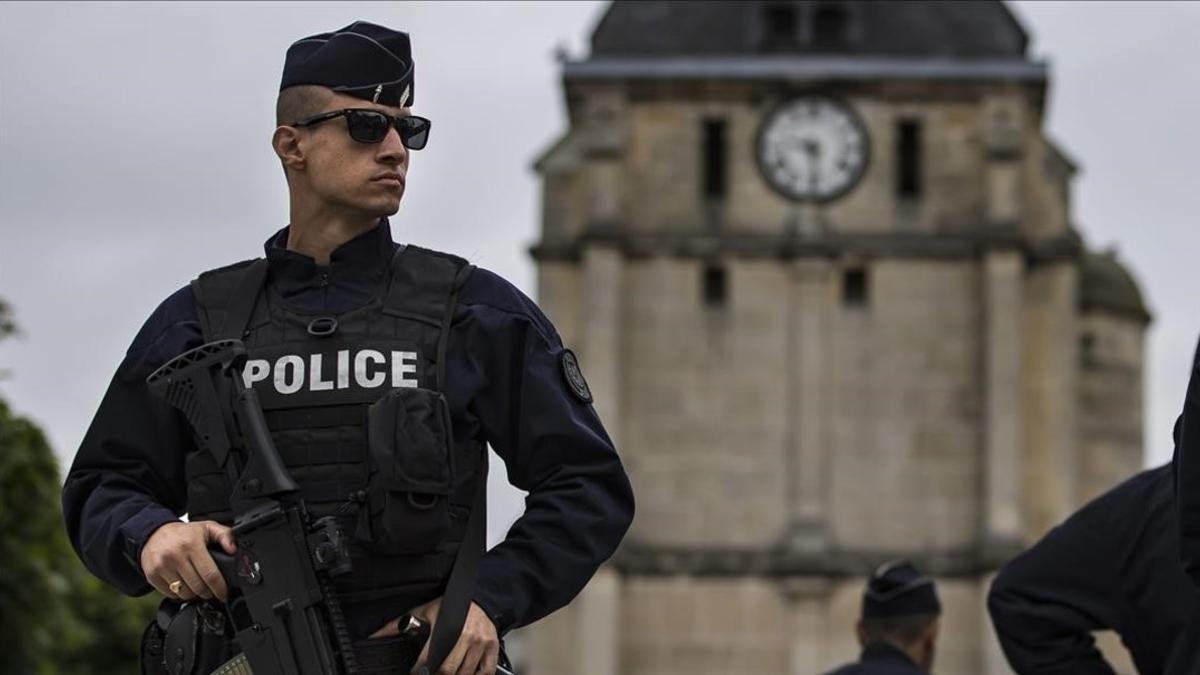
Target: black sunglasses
pixel 371 126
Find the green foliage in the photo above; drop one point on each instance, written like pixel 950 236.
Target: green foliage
pixel 7 325
pixel 57 618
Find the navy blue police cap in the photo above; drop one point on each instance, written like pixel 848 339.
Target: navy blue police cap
pixel 363 60
pixel 898 589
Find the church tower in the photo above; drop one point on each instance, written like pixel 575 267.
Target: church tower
pixel 818 262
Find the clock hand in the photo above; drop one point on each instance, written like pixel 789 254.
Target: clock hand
pixel 812 150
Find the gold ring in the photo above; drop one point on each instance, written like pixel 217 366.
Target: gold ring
pixel 176 586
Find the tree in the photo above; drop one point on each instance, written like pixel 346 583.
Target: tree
pixel 7 325
pixel 56 617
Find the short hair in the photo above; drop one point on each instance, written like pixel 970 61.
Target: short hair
pixel 904 630
pixel 296 103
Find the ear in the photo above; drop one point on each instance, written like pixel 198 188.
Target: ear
pixel 862 637
pixel 286 142
pixel 929 646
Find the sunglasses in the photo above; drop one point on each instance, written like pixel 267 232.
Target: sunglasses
pixel 371 126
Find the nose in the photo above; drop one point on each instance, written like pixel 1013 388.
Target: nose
pixel 391 149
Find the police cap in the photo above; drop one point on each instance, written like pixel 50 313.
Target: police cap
pixel 898 589
pixel 363 60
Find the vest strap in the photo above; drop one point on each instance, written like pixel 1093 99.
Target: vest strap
pixel 420 283
pixel 243 300
pixel 460 589
pixel 447 318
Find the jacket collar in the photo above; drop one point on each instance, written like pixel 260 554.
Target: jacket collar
pixel 883 651
pixel 357 271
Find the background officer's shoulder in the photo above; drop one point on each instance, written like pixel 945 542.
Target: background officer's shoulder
pixel 1148 488
pixel 1125 510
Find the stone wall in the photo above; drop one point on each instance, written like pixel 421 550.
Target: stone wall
pixel 1111 354
pixel 685 625
pixel 1049 396
pixel 703 404
pixel 905 456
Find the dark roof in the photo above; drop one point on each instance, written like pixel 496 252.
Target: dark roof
pixel 1106 285
pixel 915 28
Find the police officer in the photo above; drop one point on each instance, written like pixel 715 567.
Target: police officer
pixel 899 623
pixel 335 317
pixel 1113 565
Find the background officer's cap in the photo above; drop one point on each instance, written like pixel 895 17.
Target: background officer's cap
pixel 898 589
pixel 363 60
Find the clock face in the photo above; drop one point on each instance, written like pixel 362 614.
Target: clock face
pixel 812 148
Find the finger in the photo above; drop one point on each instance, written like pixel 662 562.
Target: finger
pixel 165 581
pixel 455 659
pixel 160 585
pixel 422 658
pixel 218 533
pixel 191 580
pixel 471 659
pixel 210 575
pixel 491 658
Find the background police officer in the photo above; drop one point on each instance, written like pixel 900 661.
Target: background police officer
pixel 899 624
pixel 334 285
pixel 1113 565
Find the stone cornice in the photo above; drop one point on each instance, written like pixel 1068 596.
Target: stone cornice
pixel 832 245
pixel 972 562
pixel 804 68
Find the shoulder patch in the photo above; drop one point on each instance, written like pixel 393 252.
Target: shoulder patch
pixel 574 376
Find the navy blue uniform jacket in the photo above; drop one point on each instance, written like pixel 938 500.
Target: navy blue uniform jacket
pixel 504 385
pixel 880 658
pixel 1187 471
pixel 1114 565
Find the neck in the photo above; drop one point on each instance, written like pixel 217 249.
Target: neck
pixel 317 232
pixel 915 652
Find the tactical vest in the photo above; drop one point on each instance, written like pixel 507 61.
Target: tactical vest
pixel 402 485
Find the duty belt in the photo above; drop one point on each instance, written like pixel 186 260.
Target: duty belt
pixel 239 665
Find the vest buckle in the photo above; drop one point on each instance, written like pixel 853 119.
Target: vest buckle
pixel 322 326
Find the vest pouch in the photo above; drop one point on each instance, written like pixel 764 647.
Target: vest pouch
pixel 411 473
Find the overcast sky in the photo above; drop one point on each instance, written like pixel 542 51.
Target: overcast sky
pixel 134 153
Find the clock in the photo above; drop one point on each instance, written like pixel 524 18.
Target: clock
pixel 812 148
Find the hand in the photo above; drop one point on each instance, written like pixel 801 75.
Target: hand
pixel 179 552
pixel 477 650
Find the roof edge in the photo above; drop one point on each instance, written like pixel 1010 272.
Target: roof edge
pixel 804 67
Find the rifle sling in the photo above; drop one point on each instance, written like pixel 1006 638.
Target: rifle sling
pixel 460 588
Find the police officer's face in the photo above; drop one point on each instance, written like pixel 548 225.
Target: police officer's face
pixel 361 177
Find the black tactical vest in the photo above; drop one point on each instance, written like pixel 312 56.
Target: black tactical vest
pixel 400 484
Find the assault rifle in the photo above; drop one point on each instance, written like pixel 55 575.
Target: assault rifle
pixel 282 606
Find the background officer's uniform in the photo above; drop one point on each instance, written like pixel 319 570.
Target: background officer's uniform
pixel 880 658
pixel 505 376
pixel 1187 484
pixel 1113 565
